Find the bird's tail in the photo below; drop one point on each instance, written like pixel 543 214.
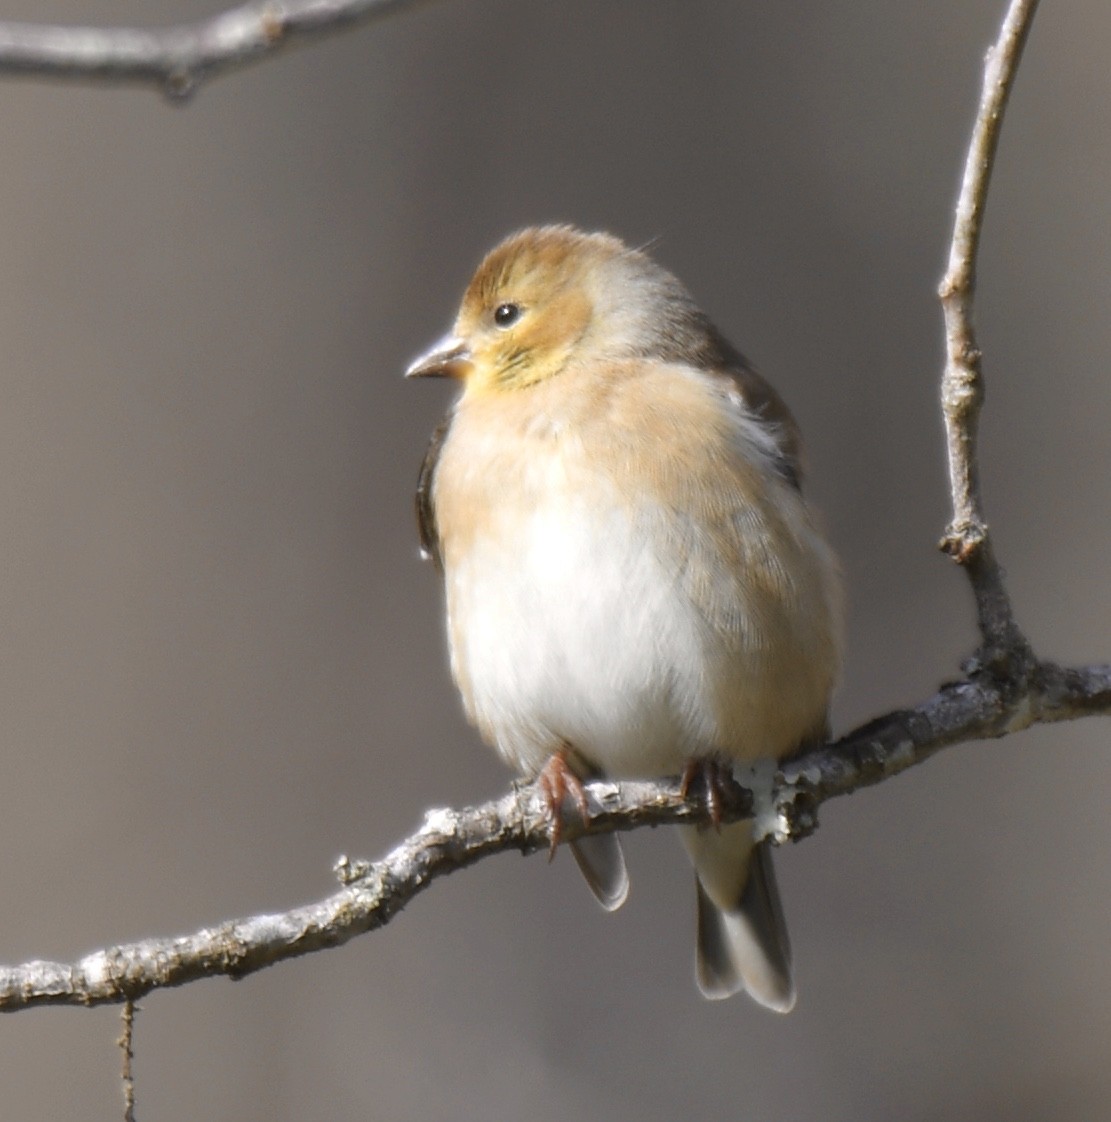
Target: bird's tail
pixel 602 863
pixel 742 936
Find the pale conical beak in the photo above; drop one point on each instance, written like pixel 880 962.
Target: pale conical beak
pixel 449 358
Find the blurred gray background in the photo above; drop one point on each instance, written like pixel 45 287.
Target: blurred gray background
pixel 222 662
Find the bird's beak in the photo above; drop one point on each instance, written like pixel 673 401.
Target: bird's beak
pixel 449 358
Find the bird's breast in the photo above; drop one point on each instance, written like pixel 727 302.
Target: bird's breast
pixel 595 601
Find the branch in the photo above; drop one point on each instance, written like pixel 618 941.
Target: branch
pixel 127 1048
pixel 1005 689
pixel 784 806
pixel 179 58
pixel 962 385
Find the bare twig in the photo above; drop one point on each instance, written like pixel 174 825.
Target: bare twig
pixel 179 58
pixel 962 386
pixel 126 1043
pixel 784 806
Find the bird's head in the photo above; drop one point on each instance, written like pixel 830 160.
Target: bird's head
pixel 547 296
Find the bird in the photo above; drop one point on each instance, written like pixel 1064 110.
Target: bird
pixel 634 585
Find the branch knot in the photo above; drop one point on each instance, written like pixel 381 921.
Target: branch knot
pixel 964 541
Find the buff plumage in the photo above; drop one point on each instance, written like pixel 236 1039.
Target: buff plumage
pixel 633 580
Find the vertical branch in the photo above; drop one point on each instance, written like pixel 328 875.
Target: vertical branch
pixel 962 385
pixel 126 1040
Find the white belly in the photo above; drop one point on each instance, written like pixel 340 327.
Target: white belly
pixel 572 630
pixel 573 637
pixel 639 608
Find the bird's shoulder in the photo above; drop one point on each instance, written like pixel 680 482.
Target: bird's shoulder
pixel 680 409
pixel 760 398
pixel 751 393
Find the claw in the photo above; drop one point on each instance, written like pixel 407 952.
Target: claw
pixel 556 781
pixel 714 776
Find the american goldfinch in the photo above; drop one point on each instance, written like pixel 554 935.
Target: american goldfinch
pixel 634 584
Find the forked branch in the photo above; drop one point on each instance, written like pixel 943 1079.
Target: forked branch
pixel 1005 688
pixel 967 538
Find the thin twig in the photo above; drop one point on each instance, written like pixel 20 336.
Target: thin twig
pixel 126 1043
pixel 962 386
pixel 784 805
pixel 178 59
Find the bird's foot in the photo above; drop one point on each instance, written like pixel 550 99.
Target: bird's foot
pixel 556 781
pixel 715 778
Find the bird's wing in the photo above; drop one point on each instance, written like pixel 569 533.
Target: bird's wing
pixel 770 408
pixel 426 511
pixel 718 354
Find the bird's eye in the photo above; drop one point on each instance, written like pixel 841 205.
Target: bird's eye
pixel 506 315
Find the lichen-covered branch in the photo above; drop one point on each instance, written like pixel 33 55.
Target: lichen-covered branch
pixel 784 804
pixel 962 386
pixel 178 59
